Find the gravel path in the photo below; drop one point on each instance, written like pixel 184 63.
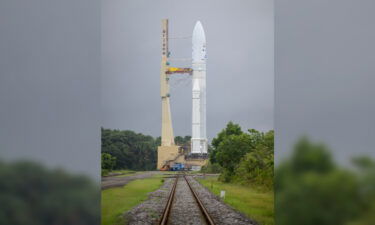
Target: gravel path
pixel 149 211
pixel 185 209
pixel 219 211
pixel 114 181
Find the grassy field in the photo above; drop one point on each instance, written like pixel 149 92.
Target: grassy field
pixel 115 201
pixel 253 203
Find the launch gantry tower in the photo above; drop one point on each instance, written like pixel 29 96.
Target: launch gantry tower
pixel 168 151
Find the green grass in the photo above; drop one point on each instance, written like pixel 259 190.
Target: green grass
pixel 115 201
pixel 252 202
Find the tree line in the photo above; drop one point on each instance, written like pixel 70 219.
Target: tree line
pixel 125 149
pixel 243 157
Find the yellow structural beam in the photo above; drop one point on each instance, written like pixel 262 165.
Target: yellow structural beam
pixel 172 70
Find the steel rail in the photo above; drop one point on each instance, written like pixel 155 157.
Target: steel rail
pixel 200 204
pixel 168 206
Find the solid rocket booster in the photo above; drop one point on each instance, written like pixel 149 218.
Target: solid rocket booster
pixel 199 138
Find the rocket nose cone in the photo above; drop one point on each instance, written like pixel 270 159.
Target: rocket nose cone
pixel 198 34
pixel 199 43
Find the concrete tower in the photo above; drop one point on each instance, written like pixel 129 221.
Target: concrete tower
pixel 167 137
pixel 199 137
pixel 168 151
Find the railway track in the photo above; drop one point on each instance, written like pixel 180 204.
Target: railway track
pixel 168 210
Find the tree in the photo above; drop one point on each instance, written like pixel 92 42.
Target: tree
pixel 34 195
pixel 311 157
pixel 257 166
pixel 108 161
pixel 132 150
pixel 314 190
pixel 187 139
pixel 366 172
pixel 231 129
pixel 179 140
pixel 230 151
pixel 244 157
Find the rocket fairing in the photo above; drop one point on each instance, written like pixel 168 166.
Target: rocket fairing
pixel 199 138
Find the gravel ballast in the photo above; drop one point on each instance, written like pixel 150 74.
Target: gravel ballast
pixel 187 211
pixel 220 212
pixel 149 211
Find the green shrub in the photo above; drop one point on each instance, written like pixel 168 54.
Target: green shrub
pixel 212 168
pixel 108 161
pixel 105 172
pixel 256 168
pixel 244 157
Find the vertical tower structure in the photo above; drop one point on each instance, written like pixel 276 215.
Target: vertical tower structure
pixel 199 137
pixel 168 152
pixel 167 137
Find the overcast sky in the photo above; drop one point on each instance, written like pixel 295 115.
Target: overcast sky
pixel 324 85
pixel 50 82
pixel 240 78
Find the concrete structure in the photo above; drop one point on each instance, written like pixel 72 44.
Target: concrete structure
pixel 167 137
pixel 168 152
pixel 199 137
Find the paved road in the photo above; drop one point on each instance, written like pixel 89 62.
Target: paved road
pixel 116 181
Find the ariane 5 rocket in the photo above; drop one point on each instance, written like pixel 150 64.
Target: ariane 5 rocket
pixel 199 137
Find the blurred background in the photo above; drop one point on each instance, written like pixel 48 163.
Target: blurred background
pixel 324 124
pixel 49 112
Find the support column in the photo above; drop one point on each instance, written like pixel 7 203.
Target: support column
pixel 167 137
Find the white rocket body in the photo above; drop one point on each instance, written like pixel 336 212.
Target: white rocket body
pixel 199 137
